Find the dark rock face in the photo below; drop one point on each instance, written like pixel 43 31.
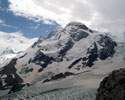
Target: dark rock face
pixel 23 55
pixel 92 55
pixel 11 77
pixel 87 61
pixel 108 47
pixel 75 62
pixel 78 35
pixel 41 59
pixel 17 88
pixel 34 44
pixel 59 76
pixel 26 70
pixel 94 52
pixel 112 87
pixel 67 47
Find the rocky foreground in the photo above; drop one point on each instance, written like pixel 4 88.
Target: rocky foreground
pixel 113 86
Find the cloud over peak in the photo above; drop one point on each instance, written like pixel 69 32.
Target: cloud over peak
pixel 61 11
pixel 15 40
pixel 94 13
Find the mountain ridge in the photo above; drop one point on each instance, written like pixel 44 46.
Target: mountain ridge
pixel 67 50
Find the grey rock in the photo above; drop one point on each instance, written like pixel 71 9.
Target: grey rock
pixel 108 47
pixel 12 78
pixel 78 35
pixel 68 45
pixel 112 87
pixel 26 70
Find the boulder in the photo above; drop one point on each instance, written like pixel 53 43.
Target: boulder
pixel 112 87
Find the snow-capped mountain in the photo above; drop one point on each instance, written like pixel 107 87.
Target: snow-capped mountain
pixel 8 54
pixel 71 49
pixel 75 50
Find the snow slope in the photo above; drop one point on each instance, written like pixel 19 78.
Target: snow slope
pixel 86 55
pixel 79 87
pixel 8 54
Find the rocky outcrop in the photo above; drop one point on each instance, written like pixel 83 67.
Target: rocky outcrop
pixel 59 76
pixel 94 52
pixel 68 46
pixel 8 75
pixel 108 47
pixel 41 59
pixel 18 87
pixel 112 87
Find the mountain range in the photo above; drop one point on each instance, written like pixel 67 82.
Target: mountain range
pixel 72 61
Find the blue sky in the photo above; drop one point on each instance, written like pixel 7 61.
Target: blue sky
pixel 23 21
pixel 34 18
pixel 29 28
pixel 20 32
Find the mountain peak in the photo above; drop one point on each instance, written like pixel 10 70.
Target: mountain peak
pixel 8 50
pixel 70 28
pixel 78 25
pixel 8 54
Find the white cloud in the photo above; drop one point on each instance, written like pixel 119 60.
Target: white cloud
pixel 48 22
pixel 61 11
pixel 15 40
pixel 1 21
pixel 110 14
pixel 98 14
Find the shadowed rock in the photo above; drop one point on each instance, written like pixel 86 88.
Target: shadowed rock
pixel 18 87
pixel 8 75
pixel 59 76
pixel 112 87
